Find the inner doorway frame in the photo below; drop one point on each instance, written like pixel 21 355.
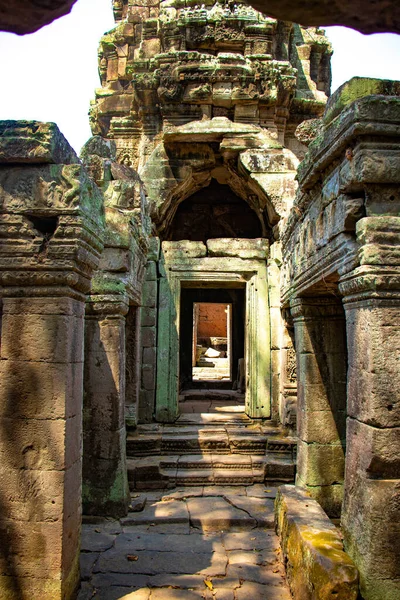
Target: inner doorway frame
pixel 214 272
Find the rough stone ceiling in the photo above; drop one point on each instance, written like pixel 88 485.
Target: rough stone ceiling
pixel 368 16
pixel 27 16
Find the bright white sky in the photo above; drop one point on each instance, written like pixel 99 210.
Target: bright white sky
pixel 51 75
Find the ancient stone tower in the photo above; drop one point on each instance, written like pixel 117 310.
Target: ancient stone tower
pixel 203 101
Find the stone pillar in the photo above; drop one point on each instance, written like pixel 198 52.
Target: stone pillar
pixel 50 229
pixel 321 370
pixel 371 508
pixel 105 479
pixel 40 453
pixel 148 335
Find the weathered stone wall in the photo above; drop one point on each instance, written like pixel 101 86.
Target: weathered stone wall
pixel 51 226
pixel 341 245
pixel 212 320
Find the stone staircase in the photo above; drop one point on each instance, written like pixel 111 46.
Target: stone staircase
pixel 221 448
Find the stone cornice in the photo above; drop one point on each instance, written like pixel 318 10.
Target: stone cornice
pixel 368 282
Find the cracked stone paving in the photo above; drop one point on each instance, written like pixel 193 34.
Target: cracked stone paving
pixel 210 542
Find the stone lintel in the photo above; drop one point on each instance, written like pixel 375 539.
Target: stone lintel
pixel 183 249
pixel 240 248
pixel 318 567
pixel 209 131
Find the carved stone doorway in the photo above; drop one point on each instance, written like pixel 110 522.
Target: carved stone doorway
pixel 191 275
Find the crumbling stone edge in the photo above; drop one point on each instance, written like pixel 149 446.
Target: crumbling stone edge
pixel 316 563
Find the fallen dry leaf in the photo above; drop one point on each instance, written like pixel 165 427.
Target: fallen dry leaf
pixel 209 584
pixel 132 557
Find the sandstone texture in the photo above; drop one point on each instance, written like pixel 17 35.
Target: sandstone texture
pixel 316 565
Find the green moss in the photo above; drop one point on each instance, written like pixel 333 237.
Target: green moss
pixel 358 87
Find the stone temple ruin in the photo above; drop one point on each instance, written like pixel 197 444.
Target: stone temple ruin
pixel 222 185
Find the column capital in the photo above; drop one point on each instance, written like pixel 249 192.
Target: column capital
pixel 107 305
pixel 314 308
pixel 369 282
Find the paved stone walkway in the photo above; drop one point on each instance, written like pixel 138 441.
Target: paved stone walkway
pixel 215 543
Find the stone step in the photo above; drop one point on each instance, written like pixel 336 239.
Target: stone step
pixel 163 472
pixel 188 437
pixel 217 441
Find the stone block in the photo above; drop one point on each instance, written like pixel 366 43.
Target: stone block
pixel 116 260
pixel 41 444
pixel 183 249
pixel 321 427
pixel 39 390
pixel 373 452
pixel 149 294
pixel 148 337
pixel 34 142
pixel 38 337
pixel 373 374
pixel 320 464
pixel 222 94
pixel 317 566
pixel 151 271
pixel 240 248
pixel 370 524
pixel 104 335
pixel 330 497
pixel 154 249
pixel 149 356
pixel 146 406
pixel 104 443
pixel 148 316
pixel 148 377
pixel 43 306
pixel 314 397
pixel 37 495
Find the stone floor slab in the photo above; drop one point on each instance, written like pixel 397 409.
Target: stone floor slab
pixel 171 511
pixel 254 591
pixel 255 540
pixel 216 514
pixel 262 510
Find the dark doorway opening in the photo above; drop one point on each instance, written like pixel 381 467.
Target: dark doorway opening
pixel 235 300
pixel 214 212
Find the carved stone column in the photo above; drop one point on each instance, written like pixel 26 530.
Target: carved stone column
pixel 50 228
pixel 371 509
pixel 321 396
pixel 111 340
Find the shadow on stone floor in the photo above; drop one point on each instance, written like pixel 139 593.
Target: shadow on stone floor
pixel 210 542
